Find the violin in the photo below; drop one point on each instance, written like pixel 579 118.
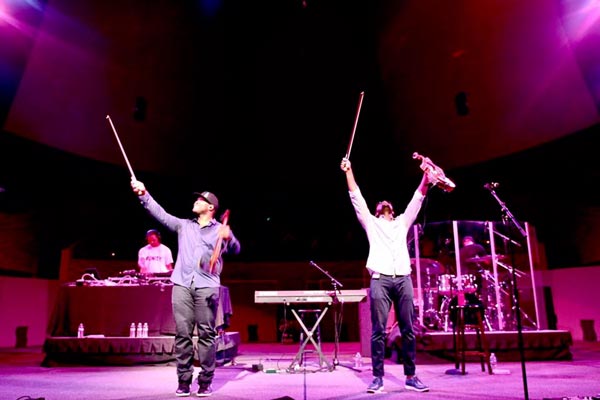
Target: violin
pixel 217 250
pixel 434 173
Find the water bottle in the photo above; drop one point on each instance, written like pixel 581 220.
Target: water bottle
pixel 358 363
pixel 145 330
pixel 80 331
pixel 138 332
pixel 493 361
pixel 495 369
pixel 132 330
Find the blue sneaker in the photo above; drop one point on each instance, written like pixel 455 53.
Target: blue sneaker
pixel 415 384
pixel 204 390
pixel 183 390
pixel 376 386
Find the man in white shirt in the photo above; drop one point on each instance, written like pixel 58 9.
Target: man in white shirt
pixel 389 265
pixel 155 257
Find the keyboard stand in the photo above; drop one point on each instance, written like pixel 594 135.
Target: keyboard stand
pixel 309 336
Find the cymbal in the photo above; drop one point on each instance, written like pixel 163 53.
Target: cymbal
pixel 485 259
pixel 427 265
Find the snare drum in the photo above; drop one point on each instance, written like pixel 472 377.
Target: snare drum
pixel 446 284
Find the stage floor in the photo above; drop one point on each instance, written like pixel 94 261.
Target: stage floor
pixel 21 374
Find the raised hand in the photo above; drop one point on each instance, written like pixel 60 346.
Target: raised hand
pixel 138 187
pixel 345 165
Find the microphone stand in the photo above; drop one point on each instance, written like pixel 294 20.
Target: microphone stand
pixel 337 312
pixel 506 217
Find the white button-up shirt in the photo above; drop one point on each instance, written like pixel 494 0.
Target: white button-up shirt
pixel 388 250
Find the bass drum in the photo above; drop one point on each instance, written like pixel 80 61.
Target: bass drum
pixel 476 306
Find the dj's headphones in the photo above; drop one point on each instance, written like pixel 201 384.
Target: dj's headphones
pixel 154 232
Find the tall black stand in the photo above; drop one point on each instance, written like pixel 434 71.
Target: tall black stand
pixel 337 312
pixel 507 217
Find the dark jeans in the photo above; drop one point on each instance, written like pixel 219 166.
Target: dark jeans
pixel 195 307
pixel 384 292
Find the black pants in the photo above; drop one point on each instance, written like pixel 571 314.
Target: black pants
pixel 385 291
pixel 195 307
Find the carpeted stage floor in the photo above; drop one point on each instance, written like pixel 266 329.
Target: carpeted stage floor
pixel 22 376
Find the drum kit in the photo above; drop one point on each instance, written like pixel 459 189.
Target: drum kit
pixel 440 289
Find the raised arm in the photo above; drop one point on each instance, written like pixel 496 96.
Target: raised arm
pixel 346 166
pixel 155 209
pixel 424 185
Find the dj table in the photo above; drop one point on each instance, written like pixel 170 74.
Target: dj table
pixel 110 310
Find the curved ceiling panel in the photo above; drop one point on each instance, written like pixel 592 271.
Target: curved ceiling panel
pixel 473 80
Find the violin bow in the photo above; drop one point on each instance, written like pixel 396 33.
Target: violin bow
pixel 121 147
pixel 360 101
pixel 217 250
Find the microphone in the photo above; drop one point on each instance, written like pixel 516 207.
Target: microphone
pixel 491 185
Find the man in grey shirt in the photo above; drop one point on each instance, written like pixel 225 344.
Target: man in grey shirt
pixel 196 283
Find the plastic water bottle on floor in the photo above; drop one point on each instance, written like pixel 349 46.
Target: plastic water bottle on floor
pixel 80 331
pixel 495 369
pixel 138 332
pixel 132 330
pixel 358 362
pixel 145 330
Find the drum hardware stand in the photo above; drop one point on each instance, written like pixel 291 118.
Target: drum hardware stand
pixel 431 313
pixel 486 319
pixel 506 217
pixel 433 316
pixel 447 300
pixel 521 311
pixel 447 314
pixel 524 315
pixel 520 274
pixel 492 306
pixel 514 306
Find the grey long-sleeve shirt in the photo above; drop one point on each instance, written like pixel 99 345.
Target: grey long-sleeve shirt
pixel 195 246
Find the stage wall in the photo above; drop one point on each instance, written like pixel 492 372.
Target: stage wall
pixel 574 292
pixel 27 302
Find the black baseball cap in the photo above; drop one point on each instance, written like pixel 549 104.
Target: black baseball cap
pixel 209 197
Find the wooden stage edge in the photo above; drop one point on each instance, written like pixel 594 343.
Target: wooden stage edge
pixel 537 346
